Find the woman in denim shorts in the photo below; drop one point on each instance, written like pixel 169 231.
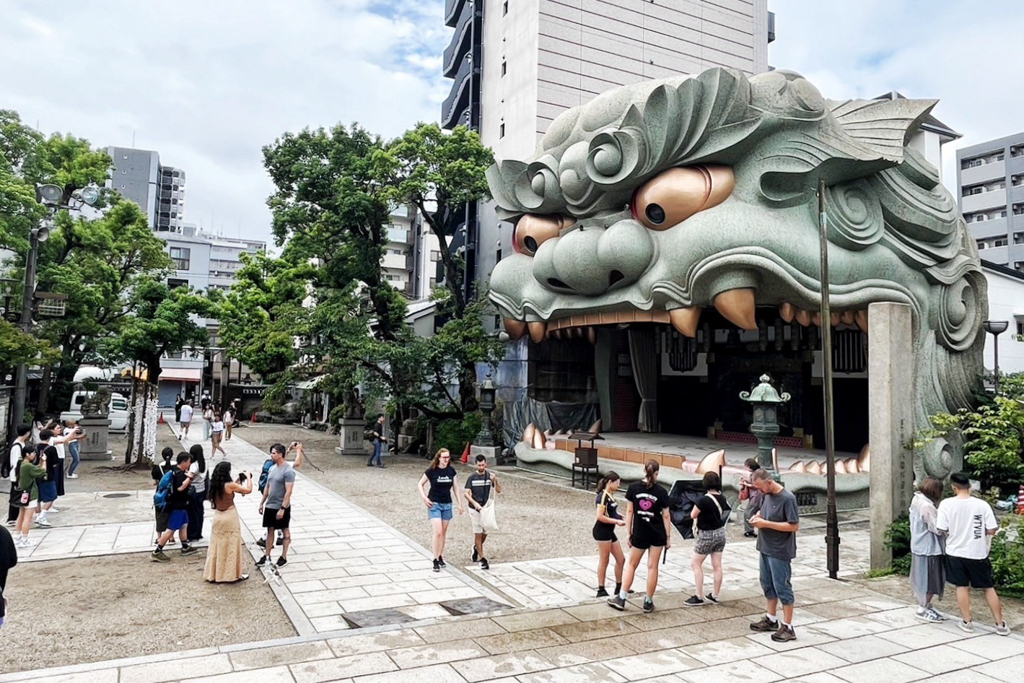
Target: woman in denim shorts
pixel 441 477
pixel 709 514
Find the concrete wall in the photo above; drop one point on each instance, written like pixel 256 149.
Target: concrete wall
pixel 136 176
pixel 1005 302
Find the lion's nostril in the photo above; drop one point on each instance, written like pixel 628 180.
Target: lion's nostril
pixel 530 243
pixel 615 277
pixel 555 282
pixel 655 213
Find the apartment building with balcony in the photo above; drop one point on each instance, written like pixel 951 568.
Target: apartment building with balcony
pixel 990 176
pixel 411 256
pixel 158 190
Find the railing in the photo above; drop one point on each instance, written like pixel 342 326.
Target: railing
pixel 459 45
pixel 458 99
pixel 452 9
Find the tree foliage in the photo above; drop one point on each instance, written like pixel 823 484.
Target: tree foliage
pixel 993 443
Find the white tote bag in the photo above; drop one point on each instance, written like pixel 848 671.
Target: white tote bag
pixel 487 519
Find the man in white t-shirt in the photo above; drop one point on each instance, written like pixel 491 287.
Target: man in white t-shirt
pixel 969 525
pixel 17 447
pixel 186 418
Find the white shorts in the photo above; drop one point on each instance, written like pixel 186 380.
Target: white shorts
pixel 474 520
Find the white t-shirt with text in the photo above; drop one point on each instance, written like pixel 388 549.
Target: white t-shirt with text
pixel 186 413
pixel 965 521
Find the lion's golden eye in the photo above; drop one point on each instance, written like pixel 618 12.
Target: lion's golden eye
pixel 533 230
pixel 671 197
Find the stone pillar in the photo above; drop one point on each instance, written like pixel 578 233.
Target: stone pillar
pixel 94 445
pixel 489 452
pixel 890 419
pixel 352 439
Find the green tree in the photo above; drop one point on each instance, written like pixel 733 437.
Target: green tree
pixel 263 313
pixel 163 322
pixel 993 443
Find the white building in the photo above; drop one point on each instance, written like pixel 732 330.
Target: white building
pixel 412 253
pixel 1005 303
pixel 158 190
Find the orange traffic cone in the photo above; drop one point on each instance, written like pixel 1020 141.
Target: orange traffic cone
pixel 1020 501
pixel 160 420
pixel 253 418
pixel 465 455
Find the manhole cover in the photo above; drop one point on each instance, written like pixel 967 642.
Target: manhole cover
pixel 117 495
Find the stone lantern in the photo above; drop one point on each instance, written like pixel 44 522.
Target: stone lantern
pixel 484 442
pixel 765 401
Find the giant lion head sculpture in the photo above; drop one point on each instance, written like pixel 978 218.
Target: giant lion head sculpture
pixel 656 200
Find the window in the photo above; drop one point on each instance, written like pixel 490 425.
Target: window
pixel 174 283
pixel 501 131
pixel 1000 157
pixel 435 256
pixel 1018 266
pixel 1018 209
pixel 1000 242
pixel 1002 214
pixel 975 189
pixel 970 163
pixel 1020 326
pixel 1017 180
pixel 982 245
pixel 181 257
pixel 1018 238
pixel 504 68
pixel 504 8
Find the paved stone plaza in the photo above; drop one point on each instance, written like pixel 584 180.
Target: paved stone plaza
pixel 369 610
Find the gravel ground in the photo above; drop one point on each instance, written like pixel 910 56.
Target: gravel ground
pixel 60 610
pixel 65 612
pixel 539 516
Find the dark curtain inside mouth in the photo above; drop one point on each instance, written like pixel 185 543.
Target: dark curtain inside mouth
pixel 643 352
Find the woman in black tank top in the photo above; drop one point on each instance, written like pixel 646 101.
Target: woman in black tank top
pixel 608 518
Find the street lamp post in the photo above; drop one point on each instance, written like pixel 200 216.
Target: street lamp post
pixel 52 197
pixel 995 328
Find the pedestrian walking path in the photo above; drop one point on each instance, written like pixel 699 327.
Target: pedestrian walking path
pixel 845 633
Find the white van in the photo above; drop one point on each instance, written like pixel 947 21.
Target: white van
pixel 118 410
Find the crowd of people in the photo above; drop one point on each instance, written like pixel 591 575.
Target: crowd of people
pixel 39 460
pixel 217 422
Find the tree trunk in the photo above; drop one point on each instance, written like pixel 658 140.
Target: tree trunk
pixel 145 417
pixel 44 389
pixel 131 416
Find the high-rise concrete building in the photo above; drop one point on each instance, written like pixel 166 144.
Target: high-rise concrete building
pixel 990 176
pixel 518 64
pixel 158 190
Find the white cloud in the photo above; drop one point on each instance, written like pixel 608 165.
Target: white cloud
pixel 966 55
pixel 207 84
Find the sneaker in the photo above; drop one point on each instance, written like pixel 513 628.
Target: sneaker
pixel 965 626
pixel 484 564
pixel 618 603
pixel 437 565
pixel 10 523
pixel 440 561
pixel 712 599
pixel 766 625
pixel 940 615
pixel 160 556
pixel 476 555
pixel 693 601
pixel 1002 629
pixel 43 523
pixel 784 634
pixel 282 561
pixel 930 616
pixel 53 511
pixel 602 592
pixel 648 605
pixel 189 550
pixel 369 464
pixel 72 476
pixel 262 561
pixel 749 534
pixel 27 542
pixel 262 543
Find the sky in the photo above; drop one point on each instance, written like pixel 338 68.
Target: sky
pixel 208 84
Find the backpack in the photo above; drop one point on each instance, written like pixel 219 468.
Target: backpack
pixel 163 490
pixel 265 474
pixel 5 464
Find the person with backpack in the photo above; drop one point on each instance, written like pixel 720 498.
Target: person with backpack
pixel 710 514
pixel 265 473
pixel 608 518
pixel 276 506
pixel 10 464
pixel 49 487
pixel 174 495
pixel 649 524
pixel 162 513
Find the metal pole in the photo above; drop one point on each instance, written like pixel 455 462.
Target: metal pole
pixel 832 517
pixel 28 296
pixel 995 349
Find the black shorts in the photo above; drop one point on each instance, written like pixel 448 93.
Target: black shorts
pixel 270 520
pixel 604 532
pixel 162 517
pixel 647 540
pixel 961 572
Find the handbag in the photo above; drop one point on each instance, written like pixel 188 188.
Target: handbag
pixel 744 491
pixel 487 519
pixel 19 498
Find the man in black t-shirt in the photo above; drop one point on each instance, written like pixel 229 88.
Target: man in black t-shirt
pixel 378 442
pixel 177 504
pixel 478 494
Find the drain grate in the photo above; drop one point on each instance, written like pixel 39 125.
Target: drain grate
pixel 117 495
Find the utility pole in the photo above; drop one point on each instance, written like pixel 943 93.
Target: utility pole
pixel 832 515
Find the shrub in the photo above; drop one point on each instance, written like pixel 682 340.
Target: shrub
pixel 897 539
pixel 1007 557
pixel 455 434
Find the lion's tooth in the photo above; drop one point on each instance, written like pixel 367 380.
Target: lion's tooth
pixel 787 311
pixel 737 306
pixel 514 328
pixel 537 331
pixel 846 317
pixel 591 335
pixel 861 318
pixel 557 334
pixel 685 320
pixel 803 317
pixel 816 319
pixel 835 319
